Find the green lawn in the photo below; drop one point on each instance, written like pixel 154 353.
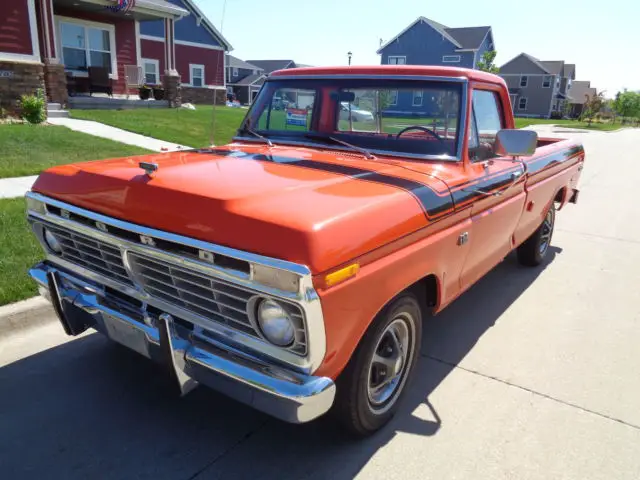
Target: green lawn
pixel 20 251
pixel 177 125
pixel 29 149
pixel 524 122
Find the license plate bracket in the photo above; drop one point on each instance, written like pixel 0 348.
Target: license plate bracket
pixel 125 334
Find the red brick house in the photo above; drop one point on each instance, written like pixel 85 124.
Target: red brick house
pixel 45 42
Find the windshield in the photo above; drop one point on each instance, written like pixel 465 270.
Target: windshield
pixel 382 115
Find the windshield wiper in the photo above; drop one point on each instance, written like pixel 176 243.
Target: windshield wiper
pixel 256 134
pixel 363 151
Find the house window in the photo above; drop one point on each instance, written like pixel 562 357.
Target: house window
pixel 397 60
pixel 235 72
pixel 522 103
pixel 451 59
pixel 87 44
pixel 417 98
pixel 197 75
pixel 151 71
pixel 393 97
pixel 524 81
pixel 546 81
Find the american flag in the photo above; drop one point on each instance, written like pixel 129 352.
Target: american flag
pixel 125 5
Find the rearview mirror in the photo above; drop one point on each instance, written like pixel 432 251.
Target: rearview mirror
pixel 516 143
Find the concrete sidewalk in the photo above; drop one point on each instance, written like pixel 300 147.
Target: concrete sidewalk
pixel 18 186
pixel 15 187
pixel 112 133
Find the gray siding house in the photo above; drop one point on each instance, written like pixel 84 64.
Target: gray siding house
pixel 427 42
pixel 243 79
pixel 538 88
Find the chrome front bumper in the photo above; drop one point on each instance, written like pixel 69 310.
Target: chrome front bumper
pixel 191 357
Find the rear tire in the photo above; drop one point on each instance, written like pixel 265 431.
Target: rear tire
pixel 370 388
pixel 534 250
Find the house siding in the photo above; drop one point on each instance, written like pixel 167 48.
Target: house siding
pixel 186 55
pixel 15 29
pixel 422 45
pixel 154 50
pixel 126 49
pixel 186 29
pixel 213 61
pixel 538 98
pixel 242 73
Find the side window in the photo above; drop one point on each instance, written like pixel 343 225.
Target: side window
pixel 485 124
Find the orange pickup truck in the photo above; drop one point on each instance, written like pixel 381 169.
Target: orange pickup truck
pixel 292 268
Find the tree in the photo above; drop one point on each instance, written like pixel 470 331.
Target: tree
pixel 486 63
pixel 593 106
pixel 627 104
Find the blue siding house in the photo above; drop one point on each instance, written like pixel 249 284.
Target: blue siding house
pixel 427 42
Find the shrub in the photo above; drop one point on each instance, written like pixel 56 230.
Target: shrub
pixel 34 107
pixel 555 115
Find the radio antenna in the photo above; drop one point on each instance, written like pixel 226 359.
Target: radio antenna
pixel 224 76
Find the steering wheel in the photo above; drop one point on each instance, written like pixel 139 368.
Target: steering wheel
pixel 424 129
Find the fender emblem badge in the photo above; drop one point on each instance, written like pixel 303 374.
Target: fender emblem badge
pixel 148 167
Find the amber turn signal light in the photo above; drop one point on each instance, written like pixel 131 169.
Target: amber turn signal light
pixel 341 275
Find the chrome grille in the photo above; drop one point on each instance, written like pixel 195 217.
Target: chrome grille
pixel 204 295
pixel 91 254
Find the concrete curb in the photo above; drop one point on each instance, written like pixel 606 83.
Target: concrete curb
pixel 25 314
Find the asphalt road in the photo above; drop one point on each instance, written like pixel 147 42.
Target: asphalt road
pixel 533 373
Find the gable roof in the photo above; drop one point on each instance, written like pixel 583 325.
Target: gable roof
pixel 467 38
pixel 539 64
pixel 271 65
pixel 250 80
pixel 235 62
pixel 201 17
pixel 554 67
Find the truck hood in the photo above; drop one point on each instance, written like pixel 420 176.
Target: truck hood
pixel 317 208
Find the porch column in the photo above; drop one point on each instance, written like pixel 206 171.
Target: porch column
pixel 172 81
pixel 54 77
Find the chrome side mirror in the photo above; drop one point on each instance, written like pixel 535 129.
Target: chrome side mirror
pixel 515 143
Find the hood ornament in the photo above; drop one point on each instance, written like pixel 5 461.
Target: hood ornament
pixel 148 167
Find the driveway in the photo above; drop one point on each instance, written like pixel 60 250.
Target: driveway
pixel 532 374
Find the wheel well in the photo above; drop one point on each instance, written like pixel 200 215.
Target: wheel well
pixel 426 290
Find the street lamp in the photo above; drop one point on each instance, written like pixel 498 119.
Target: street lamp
pixel 349 55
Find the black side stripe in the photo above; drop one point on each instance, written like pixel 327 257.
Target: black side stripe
pixel 431 203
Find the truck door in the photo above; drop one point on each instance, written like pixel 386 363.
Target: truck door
pixel 495 190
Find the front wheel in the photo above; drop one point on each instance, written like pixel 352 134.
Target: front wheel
pixel 534 250
pixel 374 381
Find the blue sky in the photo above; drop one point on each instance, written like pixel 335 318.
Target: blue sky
pixel 601 38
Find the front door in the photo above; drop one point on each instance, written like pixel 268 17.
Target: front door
pixel 496 191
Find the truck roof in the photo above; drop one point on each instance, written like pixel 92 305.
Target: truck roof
pixel 383 70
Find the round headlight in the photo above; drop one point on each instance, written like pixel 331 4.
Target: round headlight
pixel 52 242
pixel 275 323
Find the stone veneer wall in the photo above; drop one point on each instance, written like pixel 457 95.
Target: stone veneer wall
pixel 56 82
pixel 204 96
pixel 18 78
